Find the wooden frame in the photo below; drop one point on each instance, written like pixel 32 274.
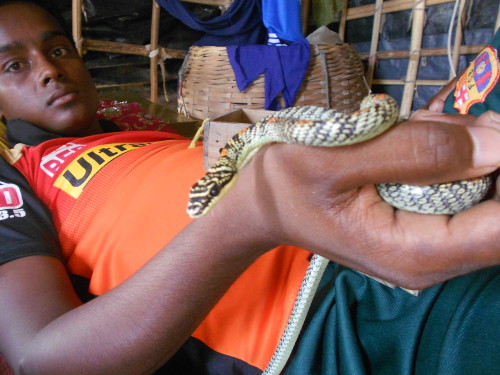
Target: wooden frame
pixel 152 50
pixel 415 52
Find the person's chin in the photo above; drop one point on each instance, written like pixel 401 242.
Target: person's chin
pixel 72 122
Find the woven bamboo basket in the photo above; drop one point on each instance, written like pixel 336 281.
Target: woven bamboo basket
pixel 207 87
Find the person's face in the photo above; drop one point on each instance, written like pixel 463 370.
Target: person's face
pixel 42 78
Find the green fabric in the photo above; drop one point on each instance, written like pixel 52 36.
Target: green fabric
pixel 360 326
pixel 323 11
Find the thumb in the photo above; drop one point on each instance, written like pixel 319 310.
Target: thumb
pixel 485 133
pixel 423 152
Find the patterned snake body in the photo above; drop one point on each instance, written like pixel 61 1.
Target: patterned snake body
pixel 317 126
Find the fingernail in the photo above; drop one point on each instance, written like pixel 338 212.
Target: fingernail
pixel 486 143
pixel 437 105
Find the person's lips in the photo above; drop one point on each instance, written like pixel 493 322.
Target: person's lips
pixel 62 96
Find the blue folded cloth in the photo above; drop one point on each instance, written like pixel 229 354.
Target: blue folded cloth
pixel 284 69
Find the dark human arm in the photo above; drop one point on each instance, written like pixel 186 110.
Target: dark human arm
pixel 410 250
pixel 323 200
pixel 131 329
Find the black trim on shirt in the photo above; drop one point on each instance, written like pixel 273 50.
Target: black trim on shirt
pixel 29 231
pixel 20 131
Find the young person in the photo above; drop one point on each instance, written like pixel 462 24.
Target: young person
pixel 111 207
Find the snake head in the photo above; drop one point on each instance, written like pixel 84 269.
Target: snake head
pixel 209 190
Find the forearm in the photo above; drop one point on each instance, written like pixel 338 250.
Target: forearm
pixel 138 325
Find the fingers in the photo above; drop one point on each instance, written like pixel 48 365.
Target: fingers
pixel 408 249
pixel 422 250
pixel 423 152
pixel 480 128
pixel 452 119
pixel 436 103
pixel 485 132
pixel 414 152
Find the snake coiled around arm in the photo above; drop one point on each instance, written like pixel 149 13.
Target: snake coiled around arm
pixel 317 126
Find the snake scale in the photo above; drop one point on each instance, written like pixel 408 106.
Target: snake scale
pixel 317 126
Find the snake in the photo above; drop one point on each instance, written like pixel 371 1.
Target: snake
pixel 318 126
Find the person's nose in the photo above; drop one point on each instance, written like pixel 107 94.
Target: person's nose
pixel 48 72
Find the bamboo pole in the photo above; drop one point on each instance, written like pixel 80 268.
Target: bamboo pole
pixel 497 24
pixel 372 59
pixel 115 47
pixel 125 48
pixel 426 52
pixel 306 5
pixel 389 7
pixel 413 62
pixel 76 24
pixel 419 82
pixel 123 85
pixel 174 53
pixel 155 52
pixel 458 40
pixel 343 19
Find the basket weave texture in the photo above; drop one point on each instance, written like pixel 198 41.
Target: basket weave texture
pixel 207 87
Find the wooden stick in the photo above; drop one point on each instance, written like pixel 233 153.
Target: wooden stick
pixel 343 19
pixel 389 7
pixel 415 46
pixel 372 59
pixel 497 24
pixel 105 86
pixel 115 47
pixel 418 82
pixel 125 48
pixel 427 52
pixel 76 24
pixel 458 41
pixel 173 53
pixel 155 52
pixel 306 4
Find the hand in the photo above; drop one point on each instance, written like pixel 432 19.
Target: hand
pixel 436 103
pixel 324 200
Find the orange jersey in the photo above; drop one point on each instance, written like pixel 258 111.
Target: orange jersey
pixel 119 198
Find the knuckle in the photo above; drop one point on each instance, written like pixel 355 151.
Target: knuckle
pixel 442 148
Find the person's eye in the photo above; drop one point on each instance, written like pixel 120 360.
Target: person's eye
pixel 59 52
pixel 13 67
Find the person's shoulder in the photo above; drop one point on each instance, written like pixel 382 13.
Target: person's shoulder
pixel 7 171
pixel 20 131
